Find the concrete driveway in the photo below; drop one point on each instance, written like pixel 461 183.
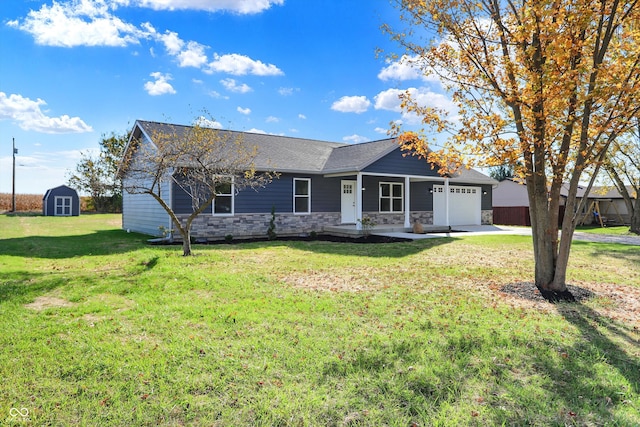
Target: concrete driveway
pixel 478 230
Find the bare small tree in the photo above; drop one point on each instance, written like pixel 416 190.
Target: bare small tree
pixel 198 159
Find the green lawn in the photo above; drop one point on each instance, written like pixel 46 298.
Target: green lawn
pixel 616 230
pixel 97 328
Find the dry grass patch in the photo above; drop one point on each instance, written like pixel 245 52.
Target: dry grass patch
pixel 45 302
pixel 361 280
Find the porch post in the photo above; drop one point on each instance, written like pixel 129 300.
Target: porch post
pixel 359 201
pixel 446 202
pixel 407 202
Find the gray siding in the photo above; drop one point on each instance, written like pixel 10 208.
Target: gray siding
pixel 181 201
pixel 421 200
pixel 325 196
pixel 394 163
pixel 143 214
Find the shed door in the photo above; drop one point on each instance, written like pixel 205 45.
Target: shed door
pixel 63 205
pixel 465 205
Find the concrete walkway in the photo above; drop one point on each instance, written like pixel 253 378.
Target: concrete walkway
pixel 478 230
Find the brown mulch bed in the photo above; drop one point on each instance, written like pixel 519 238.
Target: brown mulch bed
pixel 617 302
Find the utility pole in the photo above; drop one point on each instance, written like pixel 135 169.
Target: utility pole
pixel 13 181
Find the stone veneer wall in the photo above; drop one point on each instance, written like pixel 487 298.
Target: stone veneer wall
pixel 288 224
pixel 256 225
pixel 423 217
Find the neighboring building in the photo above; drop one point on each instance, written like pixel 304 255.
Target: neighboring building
pixel 511 204
pixel 61 201
pixel 322 186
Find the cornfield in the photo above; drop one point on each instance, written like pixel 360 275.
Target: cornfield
pixel 24 202
pixel 33 203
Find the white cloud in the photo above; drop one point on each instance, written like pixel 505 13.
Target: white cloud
pixel 28 115
pixel 79 23
pixel 390 100
pixel 240 65
pixel 206 123
pixel 237 6
pixel 254 130
pixel 408 68
pixel 287 91
pixel 400 70
pixel 217 95
pixel 232 86
pixel 188 54
pixel 193 56
pixel 302 117
pixel 245 111
pixel 355 139
pixel 381 130
pixel 160 86
pixel 272 119
pixel 352 104
pixel 172 43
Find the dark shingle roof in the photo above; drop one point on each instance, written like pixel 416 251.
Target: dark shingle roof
pixel 282 153
pixel 358 156
pixel 299 155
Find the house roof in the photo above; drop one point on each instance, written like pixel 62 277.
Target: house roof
pixel 300 155
pixel 349 157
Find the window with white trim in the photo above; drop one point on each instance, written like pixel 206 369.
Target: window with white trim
pixel 223 202
pixel 391 197
pixel 301 195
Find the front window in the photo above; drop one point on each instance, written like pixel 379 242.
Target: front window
pixel 301 195
pixel 391 197
pixel 223 203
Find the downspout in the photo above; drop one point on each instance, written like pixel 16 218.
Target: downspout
pixel 359 201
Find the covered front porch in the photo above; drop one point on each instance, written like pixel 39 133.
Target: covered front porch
pixel 392 202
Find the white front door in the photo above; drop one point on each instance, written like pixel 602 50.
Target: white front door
pixel 348 201
pixel 464 205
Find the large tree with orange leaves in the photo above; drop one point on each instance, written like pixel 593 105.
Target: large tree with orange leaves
pixel 541 85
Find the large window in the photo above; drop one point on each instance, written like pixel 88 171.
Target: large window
pixel 391 197
pixel 223 203
pixel 301 195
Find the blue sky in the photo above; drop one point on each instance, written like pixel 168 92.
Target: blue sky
pixel 73 70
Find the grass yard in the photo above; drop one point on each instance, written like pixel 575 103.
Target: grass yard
pixel 619 230
pixel 99 329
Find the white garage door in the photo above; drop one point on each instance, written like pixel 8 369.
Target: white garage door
pixel 464 205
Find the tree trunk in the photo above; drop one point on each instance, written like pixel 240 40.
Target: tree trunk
pixel 635 216
pixel 186 243
pixel 543 247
